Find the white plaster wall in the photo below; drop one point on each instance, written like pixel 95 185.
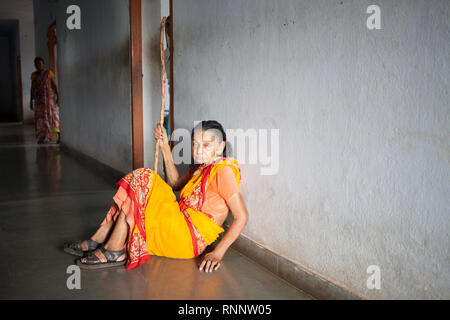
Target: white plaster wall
pixel 364 124
pixel 94 77
pixel 165 8
pixel 23 11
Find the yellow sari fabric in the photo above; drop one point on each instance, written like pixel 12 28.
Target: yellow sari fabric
pixel 167 233
pixel 179 229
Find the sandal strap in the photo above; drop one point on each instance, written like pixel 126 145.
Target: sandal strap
pixel 110 255
pixel 91 258
pixel 92 245
pixel 76 245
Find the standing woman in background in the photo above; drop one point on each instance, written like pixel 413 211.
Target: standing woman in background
pixel 44 97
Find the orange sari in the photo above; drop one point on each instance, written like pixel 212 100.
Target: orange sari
pixel 159 224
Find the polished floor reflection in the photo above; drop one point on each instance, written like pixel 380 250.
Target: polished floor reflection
pixel 48 196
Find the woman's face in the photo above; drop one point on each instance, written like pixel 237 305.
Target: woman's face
pixel 39 65
pixel 206 147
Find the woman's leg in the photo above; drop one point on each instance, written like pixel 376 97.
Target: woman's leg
pixel 130 199
pixel 100 235
pixel 117 240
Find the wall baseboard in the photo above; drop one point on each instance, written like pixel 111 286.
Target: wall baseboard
pixel 308 282
pixel 109 174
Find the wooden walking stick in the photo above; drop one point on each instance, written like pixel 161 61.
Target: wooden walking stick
pixel 163 91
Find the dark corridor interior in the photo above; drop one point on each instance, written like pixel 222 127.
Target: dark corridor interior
pixel 9 80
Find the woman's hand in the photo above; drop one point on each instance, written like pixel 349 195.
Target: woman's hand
pixel 161 135
pixel 211 262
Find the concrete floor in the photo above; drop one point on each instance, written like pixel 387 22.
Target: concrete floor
pixel 47 197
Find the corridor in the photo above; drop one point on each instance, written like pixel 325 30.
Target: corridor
pixel 333 117
pixel 48 196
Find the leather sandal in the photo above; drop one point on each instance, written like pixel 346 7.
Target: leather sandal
pixel 74 247
pixel 93 262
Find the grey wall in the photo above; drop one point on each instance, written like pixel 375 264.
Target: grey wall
pixel 94 77
pixel 364 129
pixel 44 16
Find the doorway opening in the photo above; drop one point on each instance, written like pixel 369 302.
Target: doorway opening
pixel 53 50
pixel 10 97
pixel 137 94
pixel 137 111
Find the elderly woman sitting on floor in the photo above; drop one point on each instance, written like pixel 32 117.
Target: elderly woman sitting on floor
pixel 147 219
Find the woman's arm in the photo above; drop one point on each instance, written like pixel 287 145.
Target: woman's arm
pixel 54 86
pixel 173 177
pixel 211 261
pixel 182 181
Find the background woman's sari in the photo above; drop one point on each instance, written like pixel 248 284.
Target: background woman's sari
pixel 46 113
pixel 159 224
